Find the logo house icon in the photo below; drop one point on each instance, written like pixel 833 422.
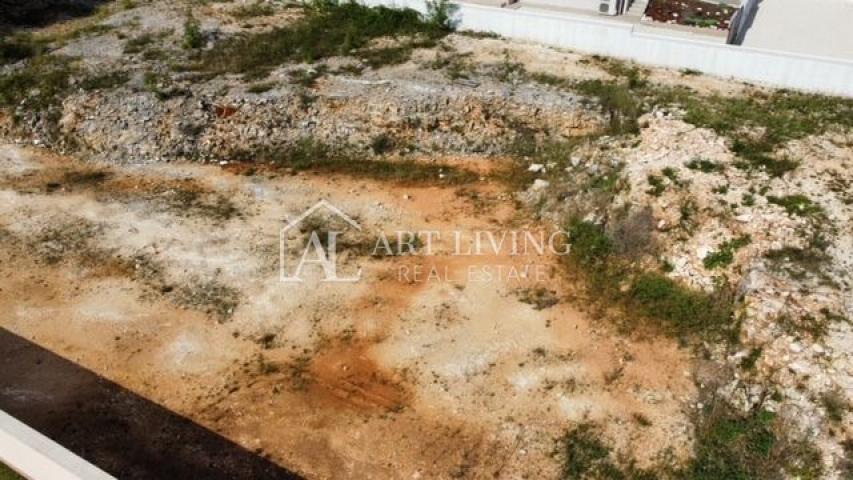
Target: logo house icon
pixel 315 253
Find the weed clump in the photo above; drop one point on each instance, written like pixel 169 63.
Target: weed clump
pixel 211 296
pixel 725 253
pixel 799 205
pixel 584 456
pixel 540 297
pixel 704 165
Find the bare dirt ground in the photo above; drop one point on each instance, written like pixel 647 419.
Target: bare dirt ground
pixel 164 279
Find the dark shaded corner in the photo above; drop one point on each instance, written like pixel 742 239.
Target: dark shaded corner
pixel 124 434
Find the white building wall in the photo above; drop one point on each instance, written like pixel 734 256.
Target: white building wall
pixel 617 39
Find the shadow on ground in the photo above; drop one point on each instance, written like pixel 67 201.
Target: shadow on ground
pixel 124 434
pixel 38 13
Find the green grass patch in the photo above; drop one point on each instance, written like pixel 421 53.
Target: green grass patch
pixel 104 81
pixel 679 309
pixel 725 254
pixel 799 205
pixel 619 102
pixel 309 155
pixel 327 29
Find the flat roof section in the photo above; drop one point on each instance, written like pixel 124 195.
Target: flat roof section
pixel 813 27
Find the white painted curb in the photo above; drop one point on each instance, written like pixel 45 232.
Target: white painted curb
pixel 37 457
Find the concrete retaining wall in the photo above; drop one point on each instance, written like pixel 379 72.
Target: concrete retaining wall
pixel 37 457
pixel 618 39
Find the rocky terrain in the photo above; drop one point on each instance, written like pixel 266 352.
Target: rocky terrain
pixel 705 307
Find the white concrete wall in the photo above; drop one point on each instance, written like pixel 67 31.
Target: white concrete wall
pixel 618 39
pixel 590 5
pixel 37 457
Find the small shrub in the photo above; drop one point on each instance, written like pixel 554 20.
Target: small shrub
pixel 14 48
pixel 261 87
pixel 193 36
pixel 540 297
pixel 749 361
pixel 835 404
pixel 725 253
pixel 583 455
pixel 382 143
pixel 671 174
pixel 589 244
pixel 618 102
pixel 137 44
pixel 656 184
pixel 307 78
pixel 704 165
